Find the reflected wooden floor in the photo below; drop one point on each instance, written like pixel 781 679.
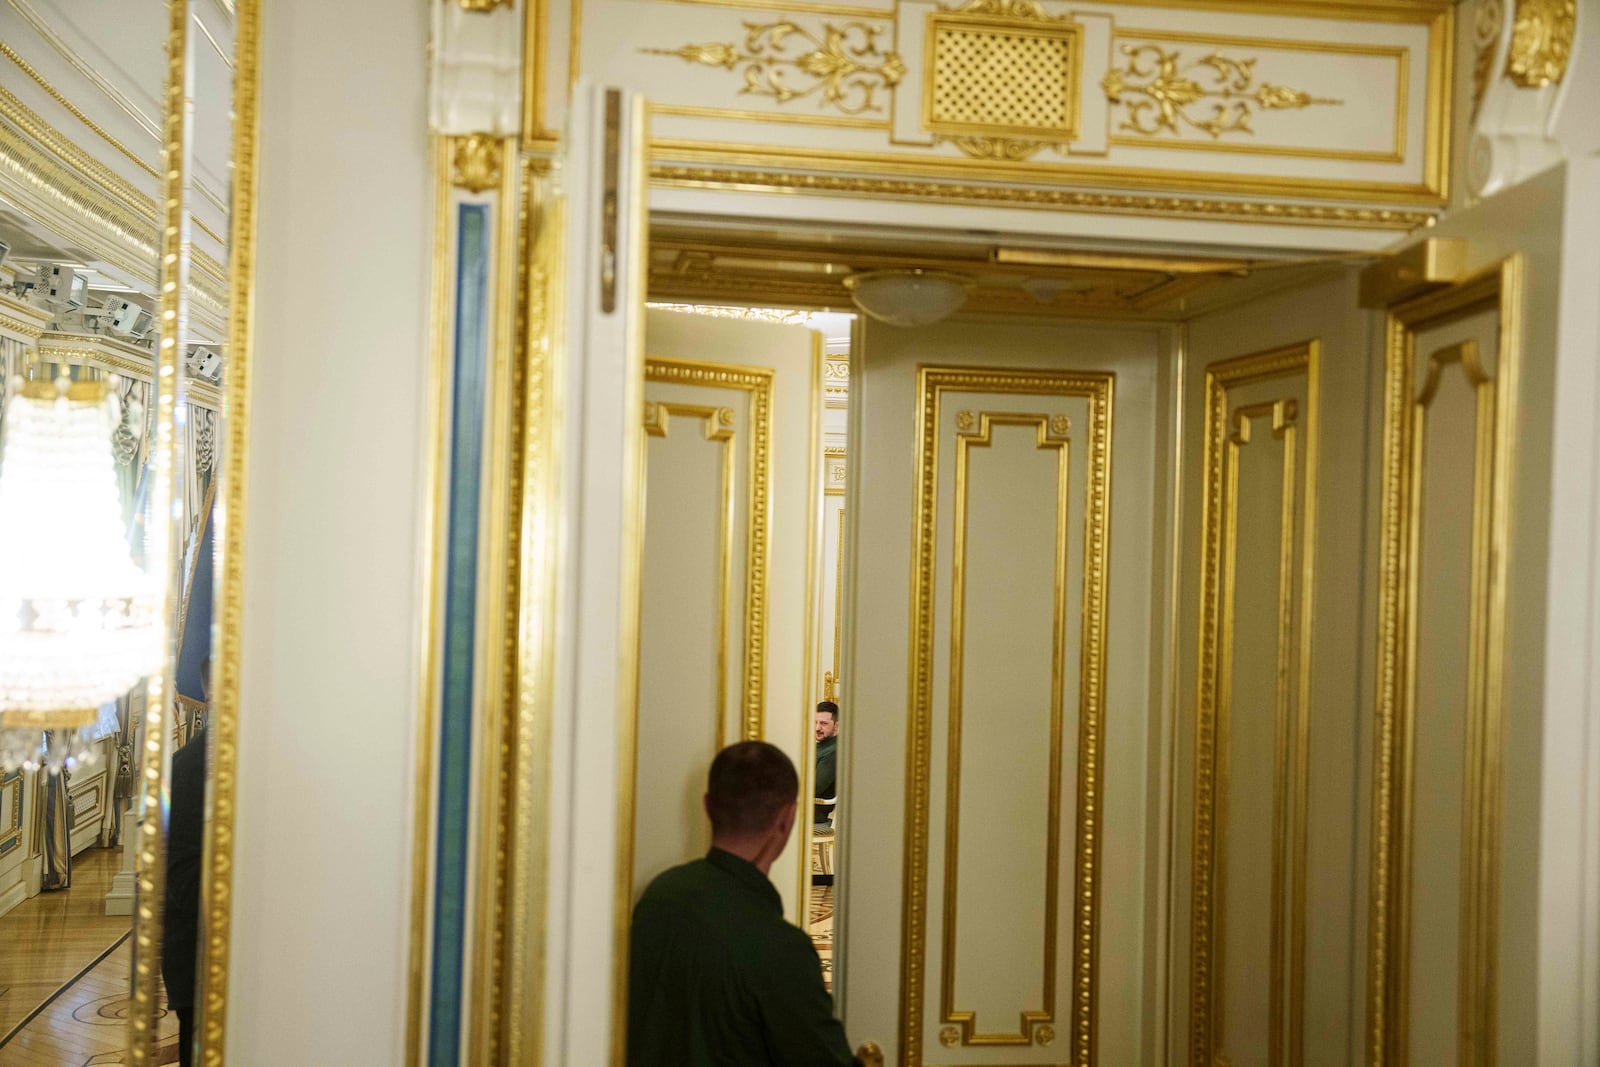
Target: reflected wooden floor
pixel 820 927
pixel 49 940
pixel 51 937
pixel 88 1024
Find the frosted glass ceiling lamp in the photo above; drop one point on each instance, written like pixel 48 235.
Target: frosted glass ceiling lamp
pixel 909 297
pixel 78 621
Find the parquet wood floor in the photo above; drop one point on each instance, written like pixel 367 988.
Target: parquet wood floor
pixel 47 939
pixel 88 1024
pixel 820 927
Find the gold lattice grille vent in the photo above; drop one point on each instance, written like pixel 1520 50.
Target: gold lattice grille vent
pixel 997 78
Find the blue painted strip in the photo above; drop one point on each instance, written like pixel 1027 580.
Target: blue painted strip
pixel 465 466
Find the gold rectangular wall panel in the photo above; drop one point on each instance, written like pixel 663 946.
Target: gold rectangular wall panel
pixel 1051 429
pixel 11 806
pixel 719 421
pixel 1410 655
pixel 1051 435
pixel 1273 384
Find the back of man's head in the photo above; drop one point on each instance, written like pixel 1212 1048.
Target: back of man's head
pixel 749 784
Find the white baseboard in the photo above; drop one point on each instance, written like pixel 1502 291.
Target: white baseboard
pixel 12 895
pixel 119 898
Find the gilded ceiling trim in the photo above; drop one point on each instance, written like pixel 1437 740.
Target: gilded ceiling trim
pixel 27 329
pixel 1047 199
pixel 1541 42
pixel 675 150
pixel 57 143
pixel 122 220
pixel 90 74
pixel 86 70
pixel 1361 10
pixel 56 95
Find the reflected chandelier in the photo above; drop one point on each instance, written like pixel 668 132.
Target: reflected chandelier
pixel 78 621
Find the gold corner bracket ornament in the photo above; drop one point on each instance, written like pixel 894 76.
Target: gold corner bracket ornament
pixel 845 66
pixel 1541 42
pixel 476 161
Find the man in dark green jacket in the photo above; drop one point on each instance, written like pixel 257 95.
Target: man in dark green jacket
pixel 826 786
pixel 717 977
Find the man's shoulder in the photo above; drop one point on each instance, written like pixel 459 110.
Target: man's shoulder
pixel 678 889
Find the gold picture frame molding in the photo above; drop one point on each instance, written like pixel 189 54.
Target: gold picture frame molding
pixel 1098 389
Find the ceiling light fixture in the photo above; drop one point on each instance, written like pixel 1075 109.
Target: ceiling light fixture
pixel 913 297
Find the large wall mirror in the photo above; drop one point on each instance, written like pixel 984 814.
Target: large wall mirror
pixel 123 330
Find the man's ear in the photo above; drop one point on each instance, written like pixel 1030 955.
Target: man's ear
pixel 705 802
pixel 786 817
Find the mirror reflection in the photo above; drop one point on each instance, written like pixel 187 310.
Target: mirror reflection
pixel 81 112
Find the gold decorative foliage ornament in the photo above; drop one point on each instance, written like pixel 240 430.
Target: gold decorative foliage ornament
pixel 844 65
pixel 1541 42
pixel 1158 91
pixel 475 162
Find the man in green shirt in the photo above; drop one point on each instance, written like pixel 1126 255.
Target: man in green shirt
pixel 717 977
pixel 826 785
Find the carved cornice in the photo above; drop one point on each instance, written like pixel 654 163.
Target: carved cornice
pixel 1049 199
pixel 22 320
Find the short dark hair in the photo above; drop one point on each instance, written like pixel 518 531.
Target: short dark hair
pixel 750 782
pixel 831 708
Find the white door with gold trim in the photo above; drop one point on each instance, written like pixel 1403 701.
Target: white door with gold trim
pixel 1003 558
pixel 1377 719
pixel 730 410
pixel 1339 821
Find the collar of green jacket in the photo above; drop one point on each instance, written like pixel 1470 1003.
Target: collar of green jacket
pixel 747 874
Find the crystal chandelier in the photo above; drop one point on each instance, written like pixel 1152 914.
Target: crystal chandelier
pixel 78 621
